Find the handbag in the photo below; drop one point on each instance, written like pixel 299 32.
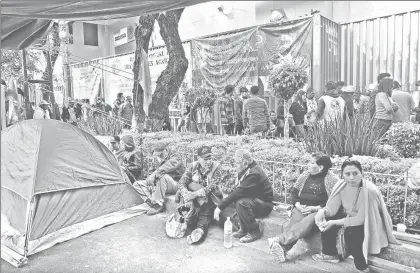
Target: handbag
pixel 341 244
pixel 175 226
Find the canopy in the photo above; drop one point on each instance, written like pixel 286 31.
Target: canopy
pixel 25 21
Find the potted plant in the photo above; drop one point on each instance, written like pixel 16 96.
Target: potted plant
pixel 285 80
pixel 201 101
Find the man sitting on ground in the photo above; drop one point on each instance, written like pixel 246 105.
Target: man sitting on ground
pixel 169 170
pixel 115 143
pixel 200 193
pixel 253 197
pixel 131 159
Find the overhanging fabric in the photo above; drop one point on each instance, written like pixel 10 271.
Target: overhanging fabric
pixel 25 21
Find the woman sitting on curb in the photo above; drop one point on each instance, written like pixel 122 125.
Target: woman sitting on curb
pixel 368 224
pixel 309 194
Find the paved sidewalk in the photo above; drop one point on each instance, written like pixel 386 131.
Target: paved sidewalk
pixel 141 245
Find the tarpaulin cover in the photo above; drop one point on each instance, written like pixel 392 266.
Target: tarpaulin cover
pixel 15 15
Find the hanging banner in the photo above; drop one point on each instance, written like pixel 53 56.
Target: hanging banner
pixel 229 59
pixel 119 77
pixel 85 79
pixel 284 41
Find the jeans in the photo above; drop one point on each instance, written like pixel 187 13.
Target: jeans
pixel 299 227
pixel 354 239
pixel 204 218
pixel 164 185
pixel 382 125
pixel 248 209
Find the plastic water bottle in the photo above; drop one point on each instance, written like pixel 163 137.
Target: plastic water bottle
pixel 228 234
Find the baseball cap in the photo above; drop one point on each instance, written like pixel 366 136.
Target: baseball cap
pixel 204 152
pixel 114 139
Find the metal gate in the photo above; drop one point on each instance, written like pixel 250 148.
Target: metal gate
pixel 385 44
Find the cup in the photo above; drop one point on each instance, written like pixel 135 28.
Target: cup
pixel 401 227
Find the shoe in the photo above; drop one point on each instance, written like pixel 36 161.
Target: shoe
pixel 156 208
pixel 367 270
pixel 149 202
pixel 195 236
pixel 239 234
pixel 325 258
pixel 277 250
pixel 252 235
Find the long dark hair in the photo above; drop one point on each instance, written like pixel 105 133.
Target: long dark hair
pixel 349 162
pixel 323 160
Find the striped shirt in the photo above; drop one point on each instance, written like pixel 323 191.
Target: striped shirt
pixel 255 112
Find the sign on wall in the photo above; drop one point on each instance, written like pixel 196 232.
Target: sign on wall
pixel 124 36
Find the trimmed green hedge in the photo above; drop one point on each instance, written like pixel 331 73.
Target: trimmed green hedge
pixel 293 160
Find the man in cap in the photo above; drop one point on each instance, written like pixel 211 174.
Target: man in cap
pixel 253 197
pixel 200 193
pixel 347 93
pixel 42 112
pixel 126 112
pixel 227 111
pixel 115 143
pixel 168 171
pixel 131 159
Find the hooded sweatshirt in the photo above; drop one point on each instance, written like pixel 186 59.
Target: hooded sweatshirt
pixel 330 104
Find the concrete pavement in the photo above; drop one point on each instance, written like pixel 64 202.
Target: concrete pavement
pixel 141 245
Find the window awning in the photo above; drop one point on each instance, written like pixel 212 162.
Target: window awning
pixel 25 21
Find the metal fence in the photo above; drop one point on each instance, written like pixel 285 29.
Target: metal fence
pixel 393 187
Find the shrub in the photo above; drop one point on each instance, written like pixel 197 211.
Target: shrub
pixel 405 138
pixel 101 125
pixel 292 161
pixel 343 136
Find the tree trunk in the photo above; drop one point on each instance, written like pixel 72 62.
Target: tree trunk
pixel 143 33
pixel 51 57
pixel 170 80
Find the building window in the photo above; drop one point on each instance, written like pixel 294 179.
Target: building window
pixel 90 34
pixel 70 32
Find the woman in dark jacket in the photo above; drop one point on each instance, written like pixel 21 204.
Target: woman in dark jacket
pixel 309 194
pixel 298 108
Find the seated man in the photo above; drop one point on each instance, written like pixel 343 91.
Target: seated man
pixel 165 177
pixel 115 148
pixel 200 193
pixel 253 197
pixel 131 159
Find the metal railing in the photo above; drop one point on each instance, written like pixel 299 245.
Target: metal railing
pixel 283 175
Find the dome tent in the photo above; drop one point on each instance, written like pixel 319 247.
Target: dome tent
pixel 58 182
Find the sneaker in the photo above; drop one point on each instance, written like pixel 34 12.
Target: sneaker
pixel 239 234
pixel 195 236
pixel 277 250
pixel 367 270
pixel 252 235
pixel 156 208
pixel 325 258
pixel 149 202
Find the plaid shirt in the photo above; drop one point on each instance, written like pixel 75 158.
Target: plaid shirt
pixel 195 173
pixel 226 110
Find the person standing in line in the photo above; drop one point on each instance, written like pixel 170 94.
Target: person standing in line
pixel 298 110
pixel 405 104
pixel 117 104
pixel 256 116
pixel 374 92
pixel 227 110
pixel 347 93
pixel 384 106
pixel 239 105
pixel 280 119
pixel 311 107
pixel 126 112
pixel 42 112
pixel 330 105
